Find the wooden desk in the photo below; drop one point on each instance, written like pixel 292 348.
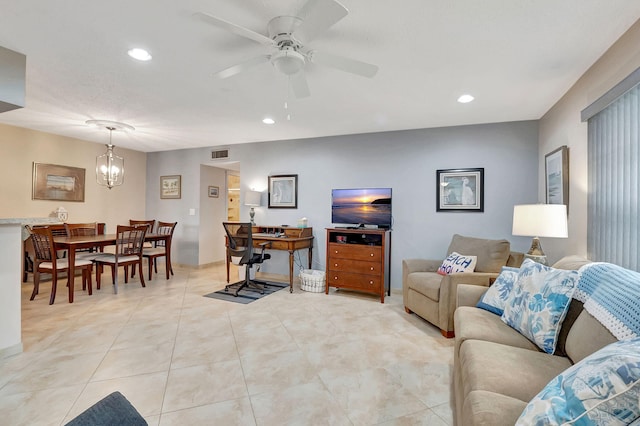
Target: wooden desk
pixel 71 244
pixel 291 239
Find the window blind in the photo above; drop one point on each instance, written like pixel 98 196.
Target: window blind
pixel 614 182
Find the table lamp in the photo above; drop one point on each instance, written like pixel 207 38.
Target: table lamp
pixel 539 220
pixel 252 199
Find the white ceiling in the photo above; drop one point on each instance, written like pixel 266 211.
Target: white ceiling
pixel 517 57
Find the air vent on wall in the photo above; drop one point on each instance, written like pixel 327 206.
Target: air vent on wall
pixel 222 154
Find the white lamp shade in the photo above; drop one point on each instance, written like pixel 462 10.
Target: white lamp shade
pixel 252 198
pixel 540 220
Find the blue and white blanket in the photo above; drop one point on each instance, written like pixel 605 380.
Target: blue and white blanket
pixel 611 294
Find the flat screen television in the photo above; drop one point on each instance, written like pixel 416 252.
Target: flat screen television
pixel 361 206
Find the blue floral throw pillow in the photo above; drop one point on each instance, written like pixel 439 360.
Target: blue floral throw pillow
pixel 602 389
pixel 539 301
pixel 496 296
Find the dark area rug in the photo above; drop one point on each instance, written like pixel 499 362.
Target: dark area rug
pixel 246 295
pixel 113 409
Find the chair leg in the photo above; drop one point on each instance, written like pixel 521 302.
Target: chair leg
pixel 126 273
pixel 155 264
pixel 88 271
pixel 141 273
pixel 54 284
pixel 36 283
pixel 150 261
pixel 98 273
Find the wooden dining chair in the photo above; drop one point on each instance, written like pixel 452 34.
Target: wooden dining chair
pixel 84 229
pixel 46 261
pixel 128 252
pixel 150 225
pixel 160 248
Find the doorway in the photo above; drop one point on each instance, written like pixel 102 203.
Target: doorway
pixel 233 196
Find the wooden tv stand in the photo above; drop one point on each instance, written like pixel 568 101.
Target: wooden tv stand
pixel 359 259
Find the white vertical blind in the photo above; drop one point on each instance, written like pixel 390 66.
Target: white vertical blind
pixel 614 182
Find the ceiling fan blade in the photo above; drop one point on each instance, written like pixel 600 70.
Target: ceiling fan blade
pixel 317 16
pixel 299 85
pixel 242 66
pixel 343 64
pixel 235 29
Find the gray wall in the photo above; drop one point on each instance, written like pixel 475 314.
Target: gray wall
pixel 405 161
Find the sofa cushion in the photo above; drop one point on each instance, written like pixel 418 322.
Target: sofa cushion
pixel 457 262
pixel 539 302
pixel 488 408
pixel 496 296
pixel 516 372
pixel 586 336
pixel 425 283
pixel 492 254
pixel 477 324
pixel 603 388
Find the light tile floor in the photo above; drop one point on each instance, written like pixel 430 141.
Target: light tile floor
pixel 184 359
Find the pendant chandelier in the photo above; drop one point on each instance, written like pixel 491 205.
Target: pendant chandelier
pixel 109 166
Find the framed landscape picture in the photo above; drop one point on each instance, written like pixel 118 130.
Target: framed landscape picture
pixel 59 183
pixel 283 192
pixel 556 172
pixel 214 191
pixel 460 190
pixel 170 187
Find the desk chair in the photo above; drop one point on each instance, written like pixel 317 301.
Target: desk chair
pixel 129 241
pixel 240 244
pixel 160 247
pixel 46 261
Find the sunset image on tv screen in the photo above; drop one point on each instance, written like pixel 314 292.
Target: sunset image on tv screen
pixel 369 206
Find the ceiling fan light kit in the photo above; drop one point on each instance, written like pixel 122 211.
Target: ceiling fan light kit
pixel 288 36
pixel 288 61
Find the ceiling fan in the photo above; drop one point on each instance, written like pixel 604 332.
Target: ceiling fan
pixel 288 37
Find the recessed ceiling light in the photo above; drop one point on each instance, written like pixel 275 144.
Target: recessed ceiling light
pixel 139 54
pixel 268 120
pixel 465 99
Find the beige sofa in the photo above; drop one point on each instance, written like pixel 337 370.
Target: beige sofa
pixel 433 296
pixel 497 371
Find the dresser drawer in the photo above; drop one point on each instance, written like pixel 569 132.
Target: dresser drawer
pixel 356 266
pixel 355 252
pixel 355 281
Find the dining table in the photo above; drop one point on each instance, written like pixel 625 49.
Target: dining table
pixel 72 244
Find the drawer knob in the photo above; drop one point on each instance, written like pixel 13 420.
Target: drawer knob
pixel 370 282
pixel 335 264
pixel 372 268
pixel 371 255
pixel 335 278
pixel 336 251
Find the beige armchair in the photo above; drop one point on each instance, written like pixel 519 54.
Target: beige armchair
pixel 433 296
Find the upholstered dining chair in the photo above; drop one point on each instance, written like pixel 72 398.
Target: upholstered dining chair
pixel 160 248
pixel 128 252
pixel 240 245
pixel 46 261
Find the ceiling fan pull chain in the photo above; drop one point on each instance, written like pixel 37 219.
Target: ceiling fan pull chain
pixel 286 101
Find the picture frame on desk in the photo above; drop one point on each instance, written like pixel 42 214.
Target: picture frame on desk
pixel 57 183
pixel 283 192
pixel 460 190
